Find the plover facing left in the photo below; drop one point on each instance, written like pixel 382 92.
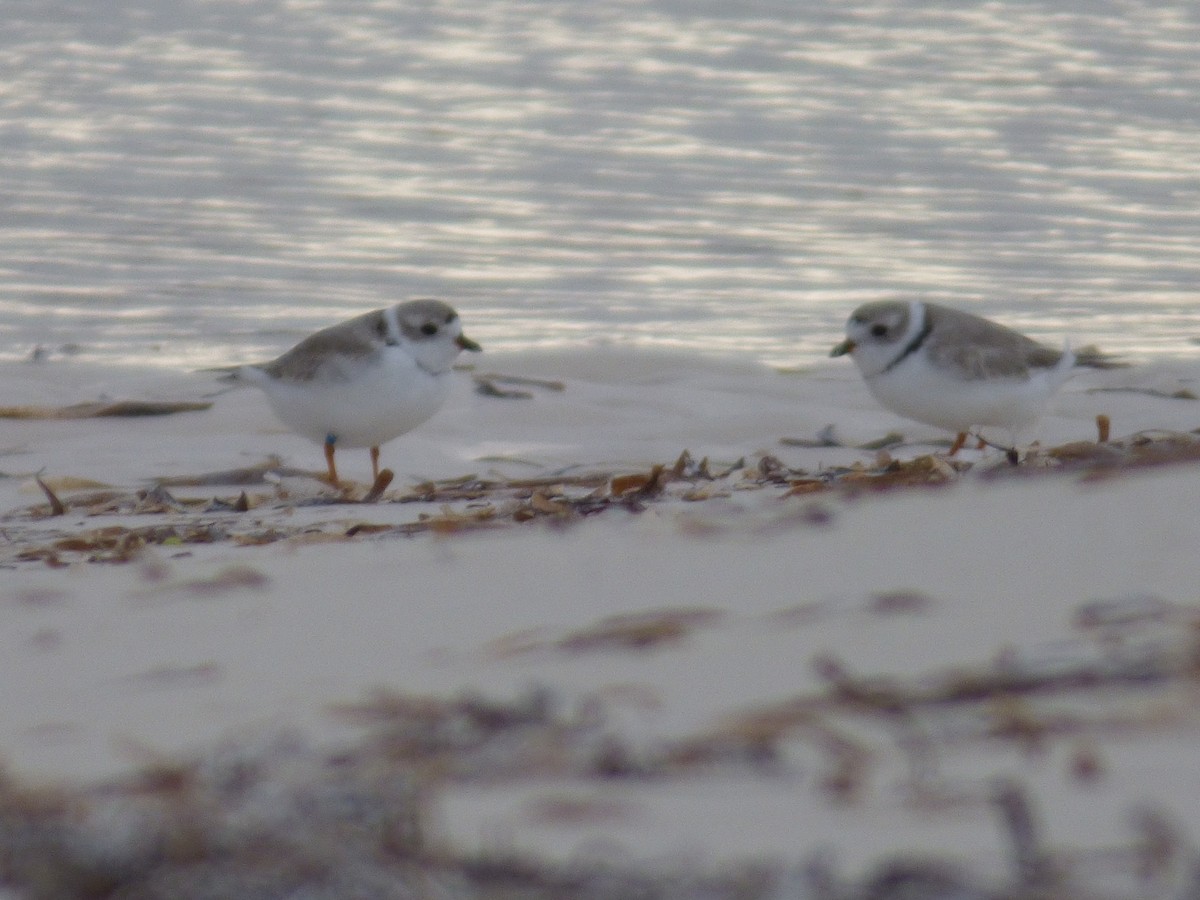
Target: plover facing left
pixel 955 370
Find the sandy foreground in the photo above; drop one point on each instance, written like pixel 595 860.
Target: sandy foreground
pixel 762 658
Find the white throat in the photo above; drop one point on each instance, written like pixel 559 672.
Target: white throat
pixel 392 324
pixel 915 335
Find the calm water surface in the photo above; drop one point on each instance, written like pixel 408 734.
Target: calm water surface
pixel 193 183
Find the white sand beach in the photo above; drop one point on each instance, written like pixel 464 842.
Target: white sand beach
pixel 736 597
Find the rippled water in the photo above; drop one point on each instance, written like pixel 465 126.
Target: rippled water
pixel 190 183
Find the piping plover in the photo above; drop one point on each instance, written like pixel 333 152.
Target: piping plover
pixel 364 381
pixel 955 370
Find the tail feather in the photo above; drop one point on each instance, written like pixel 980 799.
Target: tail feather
pixel 232 377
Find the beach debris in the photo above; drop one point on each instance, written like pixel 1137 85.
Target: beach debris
pixel 368 528
pixel 63 483
pixel 889 473
pixel 57 508
pixel 1025 702
pixel 245 475
pixel 1078 453
pixel 899 602
pixel 891 439
pixel 639 631
pixel 260 537
pixel 1139 451
pixel 157 499
pixel 228 580
pixel 848 739
pixel 487 383
pixel 560 498
pixel 801 486
pixel 117 543
pixel 769 470
pixel 382 481
pixel 828 437
pixel 488 388
pixel 450 521
pixel 470 736
pixel 640 485
pixel 252 815
pixel 1181 394
pixel 104 408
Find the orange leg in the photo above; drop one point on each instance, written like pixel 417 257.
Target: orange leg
pixel 982 443
pixel 375 462
pixel 333 479
pixel 959 440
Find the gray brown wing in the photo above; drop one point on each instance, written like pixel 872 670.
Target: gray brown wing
pixel 984 349
pixel 353 340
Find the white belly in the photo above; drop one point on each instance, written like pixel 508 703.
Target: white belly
pixel 382 401
pixel 918 391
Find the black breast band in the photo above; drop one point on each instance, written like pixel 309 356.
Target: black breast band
pixel 914 345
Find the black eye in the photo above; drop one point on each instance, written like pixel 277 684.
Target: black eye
pixel 429 329
pixel 879 330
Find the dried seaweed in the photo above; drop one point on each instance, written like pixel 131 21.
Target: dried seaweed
pixel 827 437
pixel 382 481
pixel 888 473
pixel 1181 394
pixel 57 508
pixel 251 821
pixel 119 543
pixel 104 409
pixel 245 475
pixel 229 579
pixel 1132 670
pixel 475 502
pixel 639 631
pixel 521 380
pixel 488 388
pixel 488 384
